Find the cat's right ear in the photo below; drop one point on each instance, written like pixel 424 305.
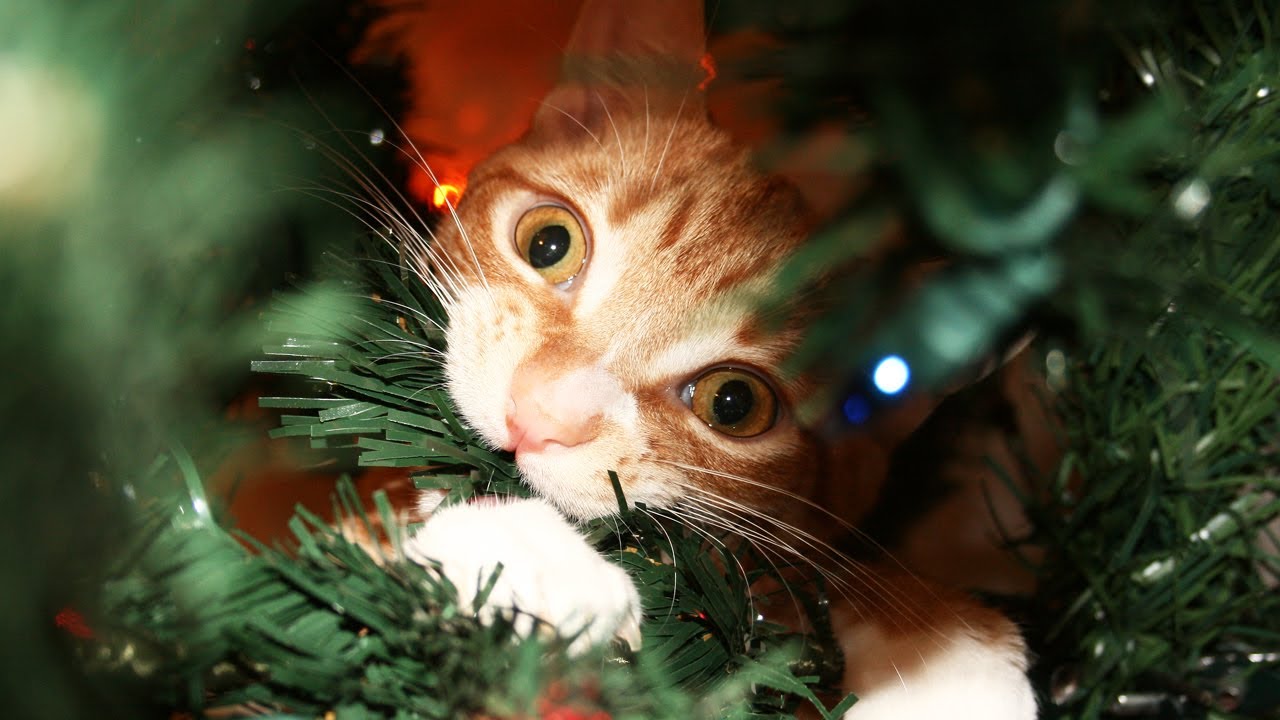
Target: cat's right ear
pixel 627 59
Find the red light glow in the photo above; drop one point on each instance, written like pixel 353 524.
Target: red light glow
pixel 73 622
pixel 707 63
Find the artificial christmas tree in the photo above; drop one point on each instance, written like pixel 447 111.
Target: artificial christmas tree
pixel 1104 176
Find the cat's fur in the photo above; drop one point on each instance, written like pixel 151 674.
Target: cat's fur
pixel 684 236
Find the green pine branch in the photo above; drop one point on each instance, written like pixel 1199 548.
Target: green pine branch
pixel 1159 583
pixel 201 619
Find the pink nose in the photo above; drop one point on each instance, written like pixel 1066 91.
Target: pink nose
pixel 534 426
pixel 553 406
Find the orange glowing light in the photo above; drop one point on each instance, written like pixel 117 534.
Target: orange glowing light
pixel 445 192
pixel 708 64
pixel 435 189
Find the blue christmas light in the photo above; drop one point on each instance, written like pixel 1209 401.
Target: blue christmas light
pixel 891 375
pixel 856 409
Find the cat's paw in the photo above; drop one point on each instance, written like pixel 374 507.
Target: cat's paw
pixel 549 572
pixel 969 680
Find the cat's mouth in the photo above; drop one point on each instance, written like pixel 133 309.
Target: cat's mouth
pixel 576 482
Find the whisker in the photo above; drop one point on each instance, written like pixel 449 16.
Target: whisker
pixel 622 152
pixel 896 601
pixel 390 205
pixel 846 563
pixel 703 516
pixel 372 209
pixel 417 158
pixel 417 315
pixel 662 158
pixel 416 354
pixel 372 187
pixel 466 240
pixel 438 291
pixel 433 386
pixel 675 577
pixel 576 121
pixel 422 344
pixel 754 532
pixel 844 524
pixel 645 156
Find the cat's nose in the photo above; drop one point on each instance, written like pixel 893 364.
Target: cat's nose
pixel 533 427
pixel 549 409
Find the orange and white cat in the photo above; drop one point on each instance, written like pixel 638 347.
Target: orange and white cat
pixel 601 279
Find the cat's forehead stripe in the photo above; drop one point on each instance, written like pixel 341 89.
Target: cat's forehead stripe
pixel 634 199
pixel 680 217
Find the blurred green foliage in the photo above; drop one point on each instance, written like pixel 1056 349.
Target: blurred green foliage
pixel 141 211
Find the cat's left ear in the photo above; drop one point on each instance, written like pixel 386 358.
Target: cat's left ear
pixel 627 60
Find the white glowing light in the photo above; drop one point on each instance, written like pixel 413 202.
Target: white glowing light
pixel 1191 199
pixel 1055 365
pixel 1067 148
pixel 1147 78
pixel 891 375
pixel 1055 362
pixel 377 136
pixel 50 136
pixel 1263 92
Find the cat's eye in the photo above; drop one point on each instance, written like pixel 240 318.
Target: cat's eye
pixel 551 240
pixel 732 401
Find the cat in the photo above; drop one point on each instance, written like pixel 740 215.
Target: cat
pixel 601 278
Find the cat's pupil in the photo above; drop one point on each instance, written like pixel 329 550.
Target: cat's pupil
pixel 548 246
pixel 733 402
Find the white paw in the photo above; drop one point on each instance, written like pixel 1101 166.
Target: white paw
pixel 967 681
pixel 548 569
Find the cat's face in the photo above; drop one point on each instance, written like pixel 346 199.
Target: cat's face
pixel 603 279
pixel 602 317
